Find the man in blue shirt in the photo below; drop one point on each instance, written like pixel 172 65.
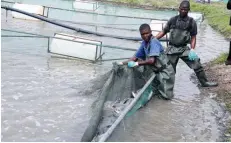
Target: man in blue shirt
pixel 151 53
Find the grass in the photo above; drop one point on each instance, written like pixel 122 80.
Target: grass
pixel 221 59
pixel 217 16
pixel 216 13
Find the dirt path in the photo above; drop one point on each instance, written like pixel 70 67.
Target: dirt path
pixel 222 74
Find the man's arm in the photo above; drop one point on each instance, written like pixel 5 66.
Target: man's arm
pixel 229 4
pixel 139 54
pixel 149 61
pixel 131 59
pixel 193 33
pixel 165 30
pixel 193 42
pixel 160 35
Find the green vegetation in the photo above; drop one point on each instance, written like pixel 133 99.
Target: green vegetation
pixel 150 3
pixel 221 59
pixel 217 16
pixel 216 13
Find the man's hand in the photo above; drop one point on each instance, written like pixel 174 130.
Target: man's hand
pixel 132 64
pixel 192 55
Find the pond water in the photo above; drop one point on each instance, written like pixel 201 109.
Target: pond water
pixel 44 97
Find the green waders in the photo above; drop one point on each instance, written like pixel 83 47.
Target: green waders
pixel 162 85
pixel 178 49
pixel 165 77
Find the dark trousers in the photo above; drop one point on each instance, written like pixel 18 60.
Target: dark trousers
pixel 229 55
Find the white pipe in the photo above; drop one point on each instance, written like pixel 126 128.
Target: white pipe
pixel 126 110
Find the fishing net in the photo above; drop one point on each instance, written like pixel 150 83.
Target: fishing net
pixel 115 94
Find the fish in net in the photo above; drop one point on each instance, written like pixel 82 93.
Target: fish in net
pixel 119 87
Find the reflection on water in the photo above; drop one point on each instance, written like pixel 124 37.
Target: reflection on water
pixel 43 97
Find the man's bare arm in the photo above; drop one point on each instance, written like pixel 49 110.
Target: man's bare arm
pixel 160 35
pixel 149 61
pixel 131 59
pixel 193 42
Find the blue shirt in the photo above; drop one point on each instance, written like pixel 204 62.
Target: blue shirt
pixel 155 49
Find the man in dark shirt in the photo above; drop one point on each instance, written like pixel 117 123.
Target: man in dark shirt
pixel 183 31
pixel 228 61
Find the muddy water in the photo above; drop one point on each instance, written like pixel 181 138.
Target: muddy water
pixel 43 97
pixel 190 116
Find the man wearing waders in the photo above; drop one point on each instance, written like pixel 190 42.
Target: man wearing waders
pixel 183 30
pixel 151 53
pixel 228 61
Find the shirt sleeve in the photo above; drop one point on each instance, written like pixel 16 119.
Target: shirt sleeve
pixel 140 53
pixel 193 31
pixel 155 48
pixel 168 25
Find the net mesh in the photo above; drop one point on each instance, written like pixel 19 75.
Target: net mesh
pixel 114 95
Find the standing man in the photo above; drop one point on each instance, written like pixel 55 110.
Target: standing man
pixel 183 31
pixel 228 61
pixel 151 53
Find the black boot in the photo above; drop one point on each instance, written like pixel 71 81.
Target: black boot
pixel 228 62
pixel 203 80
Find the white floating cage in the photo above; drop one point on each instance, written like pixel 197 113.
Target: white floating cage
pixel 73 46
pixel 85 5
pixel 156 27
pixel 35 9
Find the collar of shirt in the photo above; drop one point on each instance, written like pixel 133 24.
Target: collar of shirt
pixel 183 19
pixel 145 44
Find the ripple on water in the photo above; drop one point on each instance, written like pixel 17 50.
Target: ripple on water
pixel 43 97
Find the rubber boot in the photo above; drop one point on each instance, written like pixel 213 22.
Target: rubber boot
pixel 203 80
pixel 228 62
